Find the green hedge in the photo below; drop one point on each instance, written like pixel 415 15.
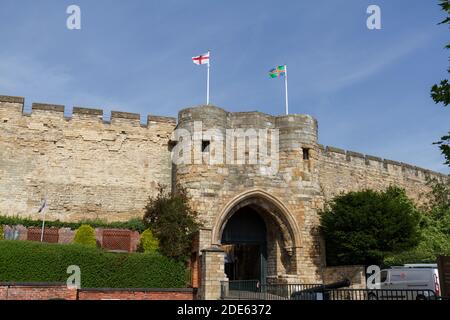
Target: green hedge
pixel 24 261
pixel 133 224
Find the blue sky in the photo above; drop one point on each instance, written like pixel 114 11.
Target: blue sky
pixel 369 89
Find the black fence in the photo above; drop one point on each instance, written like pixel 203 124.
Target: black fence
pixel 253 290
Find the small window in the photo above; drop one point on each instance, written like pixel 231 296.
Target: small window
pixel 172 144
pixel 383 276
pixel 305 153
pixel 205 145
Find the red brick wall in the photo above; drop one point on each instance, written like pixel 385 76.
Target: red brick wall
pixel 50 234
pixel 111 294
pixel 36 292
pixel 45 291
pixel 66 235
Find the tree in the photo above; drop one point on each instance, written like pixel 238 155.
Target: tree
pixel 172 221
pixel 366 226
pixel 438 197
pixel 441 93
pixel 444 145
pixel 434 227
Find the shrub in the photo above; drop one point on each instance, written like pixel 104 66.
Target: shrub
pixel 172 221
pixel 435 228
pixel 2 236
pixel 432 244
pixel 26 261
pixel 364 227
pixel 148 243
pixel 85 235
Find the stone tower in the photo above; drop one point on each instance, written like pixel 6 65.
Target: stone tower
pixel 249 163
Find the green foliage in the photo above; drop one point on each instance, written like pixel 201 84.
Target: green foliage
pixel 438 199
pixel 444 145
pixel 26 261
pixel 435 228
pixel 441 93
pixel 85 235
pixel 432 244
pixel 133 224
pixel 148 243
pixel 364 227
pixel 2 236
pixel 445 5
pixel 172 221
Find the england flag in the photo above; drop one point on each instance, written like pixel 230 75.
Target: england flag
pixel 202 59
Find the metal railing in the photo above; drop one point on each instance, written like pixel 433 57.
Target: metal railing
pixel 253 290
pixel 379 294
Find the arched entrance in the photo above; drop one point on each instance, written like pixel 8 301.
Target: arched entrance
pixel 244 241
pixel 259 236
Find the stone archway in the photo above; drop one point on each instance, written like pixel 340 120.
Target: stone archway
pixel 244 240
pixel 282 239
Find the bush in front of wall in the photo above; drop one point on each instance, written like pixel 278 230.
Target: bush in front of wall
pixel 148 243
pixel 85 235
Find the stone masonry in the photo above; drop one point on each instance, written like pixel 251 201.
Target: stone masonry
pixel 88 168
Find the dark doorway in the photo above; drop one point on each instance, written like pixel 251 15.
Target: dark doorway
pixel 244 241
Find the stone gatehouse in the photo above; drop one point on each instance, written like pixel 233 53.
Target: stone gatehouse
pixel 260 218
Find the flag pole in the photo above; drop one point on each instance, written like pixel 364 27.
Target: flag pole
pixel 207 80
pixel 43 219
pixel 286 87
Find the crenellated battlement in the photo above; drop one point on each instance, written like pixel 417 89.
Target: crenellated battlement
pixel 47 107
pixel 10 99
pixel 17 104
pixel 372 162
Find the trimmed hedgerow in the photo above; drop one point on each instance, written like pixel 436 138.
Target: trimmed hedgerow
pixel 24 261
pixel 133 224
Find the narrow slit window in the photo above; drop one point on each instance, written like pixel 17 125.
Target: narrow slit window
pixel 205 145
pixel 305 153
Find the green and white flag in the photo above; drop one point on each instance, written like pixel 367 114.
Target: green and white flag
pixel 278 72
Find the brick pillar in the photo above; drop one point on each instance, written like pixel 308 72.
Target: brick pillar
pixel 212 264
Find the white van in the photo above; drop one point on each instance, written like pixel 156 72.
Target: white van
pixel 396 282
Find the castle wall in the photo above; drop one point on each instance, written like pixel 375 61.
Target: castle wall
pixel 87 168
pixel 343 171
